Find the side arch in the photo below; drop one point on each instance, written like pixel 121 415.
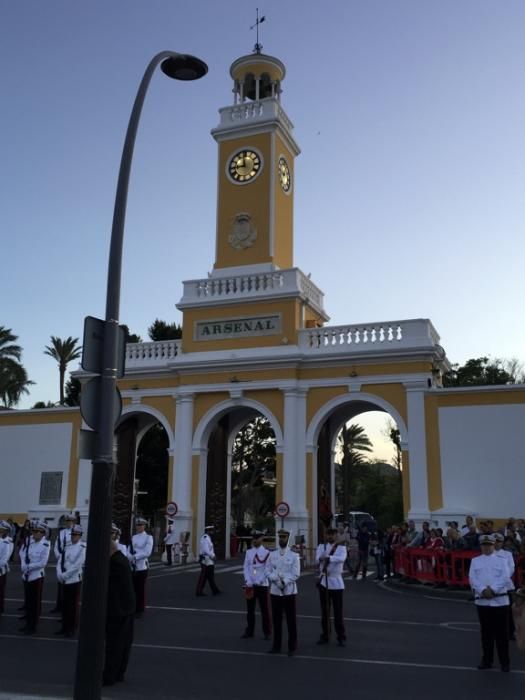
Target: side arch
pixel 314 428
pixel 132 409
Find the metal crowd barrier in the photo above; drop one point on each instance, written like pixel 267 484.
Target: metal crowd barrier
pixel 449 567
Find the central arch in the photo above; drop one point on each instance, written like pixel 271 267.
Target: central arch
pixel 213 443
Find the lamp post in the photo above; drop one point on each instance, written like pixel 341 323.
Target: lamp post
pixel 90 652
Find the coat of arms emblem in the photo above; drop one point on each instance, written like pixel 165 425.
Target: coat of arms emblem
pixel 243 233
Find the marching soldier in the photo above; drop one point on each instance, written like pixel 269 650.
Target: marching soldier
pixel 283 569
pixel 489 578
pixel 139 552
pixel 34 556
pixel 207 562
pixel 256 586
pixel 331 558
pixel 69 572
pixel 61 542
pixel 6 549
pixel 115 536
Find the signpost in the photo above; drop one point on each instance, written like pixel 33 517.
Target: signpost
pixel 282 509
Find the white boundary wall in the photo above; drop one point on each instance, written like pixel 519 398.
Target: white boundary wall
pixel 483 459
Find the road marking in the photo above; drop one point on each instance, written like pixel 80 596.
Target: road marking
pixel 373 621
pixel 305 657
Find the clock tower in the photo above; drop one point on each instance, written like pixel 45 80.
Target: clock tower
pixel 255 170
pixel 253 296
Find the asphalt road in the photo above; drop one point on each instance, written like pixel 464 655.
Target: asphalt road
pixel 402 643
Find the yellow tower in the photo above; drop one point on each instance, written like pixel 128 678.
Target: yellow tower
pixel 253 296
pixel 256 169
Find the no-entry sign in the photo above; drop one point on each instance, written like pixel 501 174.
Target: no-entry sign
pixel 171 509
pixel 282 509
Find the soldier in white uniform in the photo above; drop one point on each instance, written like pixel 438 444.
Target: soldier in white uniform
pixel 207 562
pixel 139 551
pixel 489 579
pixel 256 586
pixel 115 536
pixel 34 555
pixel 283 569
pixel 170 539
pixel 69 571
pixel 6 549
pixel 499 539
pixel 331 558
pixel 61 542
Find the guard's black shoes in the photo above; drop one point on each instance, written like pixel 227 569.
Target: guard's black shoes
pixel 274 651
pixel 483 666
pixel 322 640
pixel 341 643
pixel 246 635
pixel 505 668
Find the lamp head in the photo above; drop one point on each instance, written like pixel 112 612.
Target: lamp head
pixel 184 67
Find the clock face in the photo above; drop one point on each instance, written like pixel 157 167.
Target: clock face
pixel 245 166
pixel 285 177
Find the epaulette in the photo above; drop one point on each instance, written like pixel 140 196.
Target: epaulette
pixel 46 544
pixel 83 544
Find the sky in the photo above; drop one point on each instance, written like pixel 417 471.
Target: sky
pixel 409 114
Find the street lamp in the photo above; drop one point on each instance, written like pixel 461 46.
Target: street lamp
pixel 90 652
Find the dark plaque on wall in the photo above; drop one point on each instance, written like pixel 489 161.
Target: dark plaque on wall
pixel 50 488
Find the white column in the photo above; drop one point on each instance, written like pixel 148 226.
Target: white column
pixel 294 459
pixel 182 472
pixel 418 474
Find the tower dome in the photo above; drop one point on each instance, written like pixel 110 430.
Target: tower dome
pixel 257 77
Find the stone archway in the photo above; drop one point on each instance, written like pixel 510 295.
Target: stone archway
pixel 213 442
pixel 134 423
pixel 321 436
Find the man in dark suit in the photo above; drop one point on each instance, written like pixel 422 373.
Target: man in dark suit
pixel 119 618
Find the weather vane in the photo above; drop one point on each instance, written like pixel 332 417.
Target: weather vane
pixel 258 47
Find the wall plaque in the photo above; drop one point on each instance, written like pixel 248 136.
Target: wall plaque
pixel 50 488
pixel 246 326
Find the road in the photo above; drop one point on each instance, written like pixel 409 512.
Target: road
pixel 403 642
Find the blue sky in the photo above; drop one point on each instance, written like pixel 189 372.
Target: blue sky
pixel 410 118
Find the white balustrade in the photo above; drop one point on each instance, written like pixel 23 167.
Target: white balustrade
pixel 275 284
pixel 149 354
pixel 412 333
pixel 265 109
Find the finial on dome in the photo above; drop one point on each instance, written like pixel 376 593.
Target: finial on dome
pixel 258 47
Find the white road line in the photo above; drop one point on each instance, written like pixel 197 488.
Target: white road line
pixel 306 657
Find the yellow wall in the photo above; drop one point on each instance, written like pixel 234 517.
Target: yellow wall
pixel 283 214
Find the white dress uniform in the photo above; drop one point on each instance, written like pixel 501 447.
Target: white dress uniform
pixel 256 589
pixel 122 548
pixel 283 569
pixel 62 540
pixel 508 558
pixel 206 551
pixel 492 571
pixel 6 549
pixel 70 566
pixel 207 562
pixel 140 550
pixel 331 558
pixel 33 560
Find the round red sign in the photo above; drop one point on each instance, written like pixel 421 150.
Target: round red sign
pixel 171 508
pixel 282 509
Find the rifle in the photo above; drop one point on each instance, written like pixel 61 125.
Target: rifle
pixel 132 550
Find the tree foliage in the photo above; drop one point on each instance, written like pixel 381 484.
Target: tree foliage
pixel 72 392
pixel 480 371
pixel 160 330
pixel 13 376
pixel 64 352
pixel 151 470
pixel 253 473
pixel 353 443
pixel 131 337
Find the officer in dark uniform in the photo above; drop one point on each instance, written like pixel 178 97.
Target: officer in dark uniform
pixel 119 617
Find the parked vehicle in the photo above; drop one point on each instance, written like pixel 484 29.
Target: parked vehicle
pixel 356 518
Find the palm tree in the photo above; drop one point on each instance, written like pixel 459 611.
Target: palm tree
pixel 13 376
pixel 64 352
pixel 352 442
